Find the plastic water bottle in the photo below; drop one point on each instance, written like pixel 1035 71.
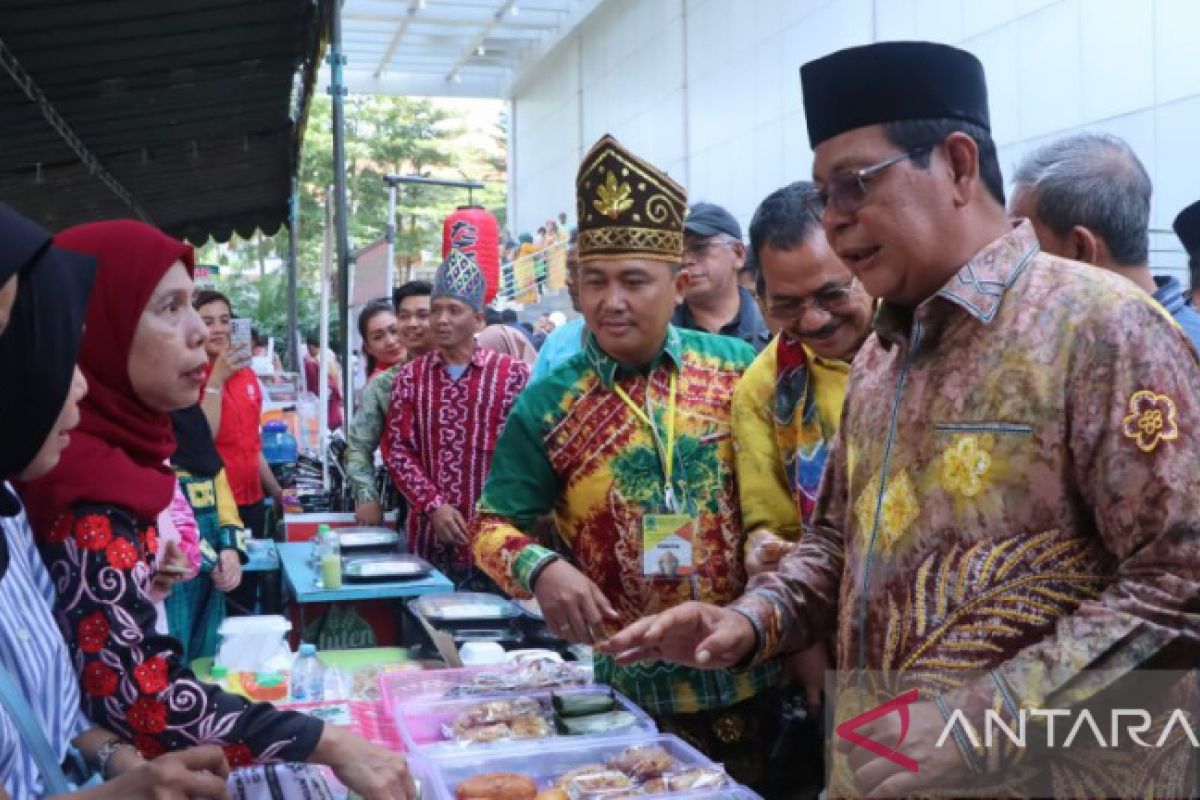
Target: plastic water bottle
pixel 324 533
pixel 308 676
pixel 331 562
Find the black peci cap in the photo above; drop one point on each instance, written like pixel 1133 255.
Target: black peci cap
pixel 890 82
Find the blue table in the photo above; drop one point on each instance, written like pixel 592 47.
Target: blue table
pixel 301 580
pixel 264 557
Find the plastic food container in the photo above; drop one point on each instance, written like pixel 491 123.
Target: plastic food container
pixel 253 644
pixel 548 763
pixel 431 727
pixel 464 607
pixel 447 684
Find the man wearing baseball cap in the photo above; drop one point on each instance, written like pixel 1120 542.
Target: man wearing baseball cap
pixel 1187 228
pixel 1010 515
pixel 713 298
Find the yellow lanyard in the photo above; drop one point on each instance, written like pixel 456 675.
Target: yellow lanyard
pixel 669 457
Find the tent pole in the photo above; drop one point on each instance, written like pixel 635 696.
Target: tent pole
pixel 337 89
pixel 323 343
pixel 293 233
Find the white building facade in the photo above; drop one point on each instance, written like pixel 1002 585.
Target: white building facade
pixel 709 90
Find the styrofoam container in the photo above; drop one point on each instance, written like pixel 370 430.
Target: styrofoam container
pixel 267 624
pixel 422 725
pixel 482 654
pixel 548 760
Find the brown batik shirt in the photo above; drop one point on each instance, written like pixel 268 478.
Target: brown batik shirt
pixel 1016 490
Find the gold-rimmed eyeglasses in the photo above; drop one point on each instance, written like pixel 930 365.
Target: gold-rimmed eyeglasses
pixel 831 298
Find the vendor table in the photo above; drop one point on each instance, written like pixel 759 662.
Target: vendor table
pixel 301 580
pixel 374 602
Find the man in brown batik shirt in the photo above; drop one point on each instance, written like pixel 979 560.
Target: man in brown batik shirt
pixel 1015 494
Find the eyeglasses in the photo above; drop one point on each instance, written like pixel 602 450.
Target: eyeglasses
pixel 846 191
pixel 698 250
pixel 830 298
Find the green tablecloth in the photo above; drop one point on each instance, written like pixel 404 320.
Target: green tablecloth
pixel 348 660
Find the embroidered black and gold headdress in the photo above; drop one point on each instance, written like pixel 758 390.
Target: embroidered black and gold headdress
pixel 627 208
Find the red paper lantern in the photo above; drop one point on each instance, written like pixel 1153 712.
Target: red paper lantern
pixel 474 231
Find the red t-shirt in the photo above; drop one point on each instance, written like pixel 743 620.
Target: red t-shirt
pixel 239 441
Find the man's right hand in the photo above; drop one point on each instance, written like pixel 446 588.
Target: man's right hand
pixel 198 772
pixel 369 514
pixel 695 634
pixel 229 362
pixel 573 607
pixel 449 526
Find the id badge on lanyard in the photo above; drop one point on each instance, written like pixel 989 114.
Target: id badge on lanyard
pixel 667 546
pixel 667 538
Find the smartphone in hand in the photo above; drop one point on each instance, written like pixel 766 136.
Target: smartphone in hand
pixel 239 334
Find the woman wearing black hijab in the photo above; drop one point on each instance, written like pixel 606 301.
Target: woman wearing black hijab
pixel 196 608
pixel 43 298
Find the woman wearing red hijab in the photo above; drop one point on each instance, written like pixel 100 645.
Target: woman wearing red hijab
pixel 143 356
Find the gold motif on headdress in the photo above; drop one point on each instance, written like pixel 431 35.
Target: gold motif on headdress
pixel 613 198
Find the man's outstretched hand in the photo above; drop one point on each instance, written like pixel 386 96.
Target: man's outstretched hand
pixel 694 634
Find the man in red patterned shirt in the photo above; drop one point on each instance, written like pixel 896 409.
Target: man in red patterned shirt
pixel 448 409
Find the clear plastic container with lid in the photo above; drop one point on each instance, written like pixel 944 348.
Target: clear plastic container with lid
pixel 278 444
pixel 659 766
pixel 512 719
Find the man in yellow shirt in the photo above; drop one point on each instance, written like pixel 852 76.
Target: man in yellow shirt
pixel 787 407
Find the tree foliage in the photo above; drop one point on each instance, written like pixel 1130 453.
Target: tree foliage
pixel 384 135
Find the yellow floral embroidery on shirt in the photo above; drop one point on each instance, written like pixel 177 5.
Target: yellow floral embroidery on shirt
pixel 1151 420
pixel 898 511
pixel 966 464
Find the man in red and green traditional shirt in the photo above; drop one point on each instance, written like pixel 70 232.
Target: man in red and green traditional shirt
pixel 629 445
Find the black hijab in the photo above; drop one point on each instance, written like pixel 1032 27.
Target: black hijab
pixel 40 346
pixel 195 449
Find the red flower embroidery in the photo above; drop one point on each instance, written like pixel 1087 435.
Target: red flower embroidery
pixel 93 532
pixel 93 632
pixel 122 554
pixel 148 746
pixel 147 715
pixel 99 679
pixel 61 530
pixel 238 755
pixel 151 675
pixel 150 540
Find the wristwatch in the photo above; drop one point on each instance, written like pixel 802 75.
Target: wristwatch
pixel 212 390
pixel 105 753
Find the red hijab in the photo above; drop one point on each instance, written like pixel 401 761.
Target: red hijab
pixel 117 454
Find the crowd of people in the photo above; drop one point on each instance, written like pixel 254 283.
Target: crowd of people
pixel 916 430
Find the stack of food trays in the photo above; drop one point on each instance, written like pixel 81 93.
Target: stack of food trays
pixel 543 733
pixel 641 767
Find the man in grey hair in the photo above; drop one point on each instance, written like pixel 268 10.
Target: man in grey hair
pixel 1088 197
